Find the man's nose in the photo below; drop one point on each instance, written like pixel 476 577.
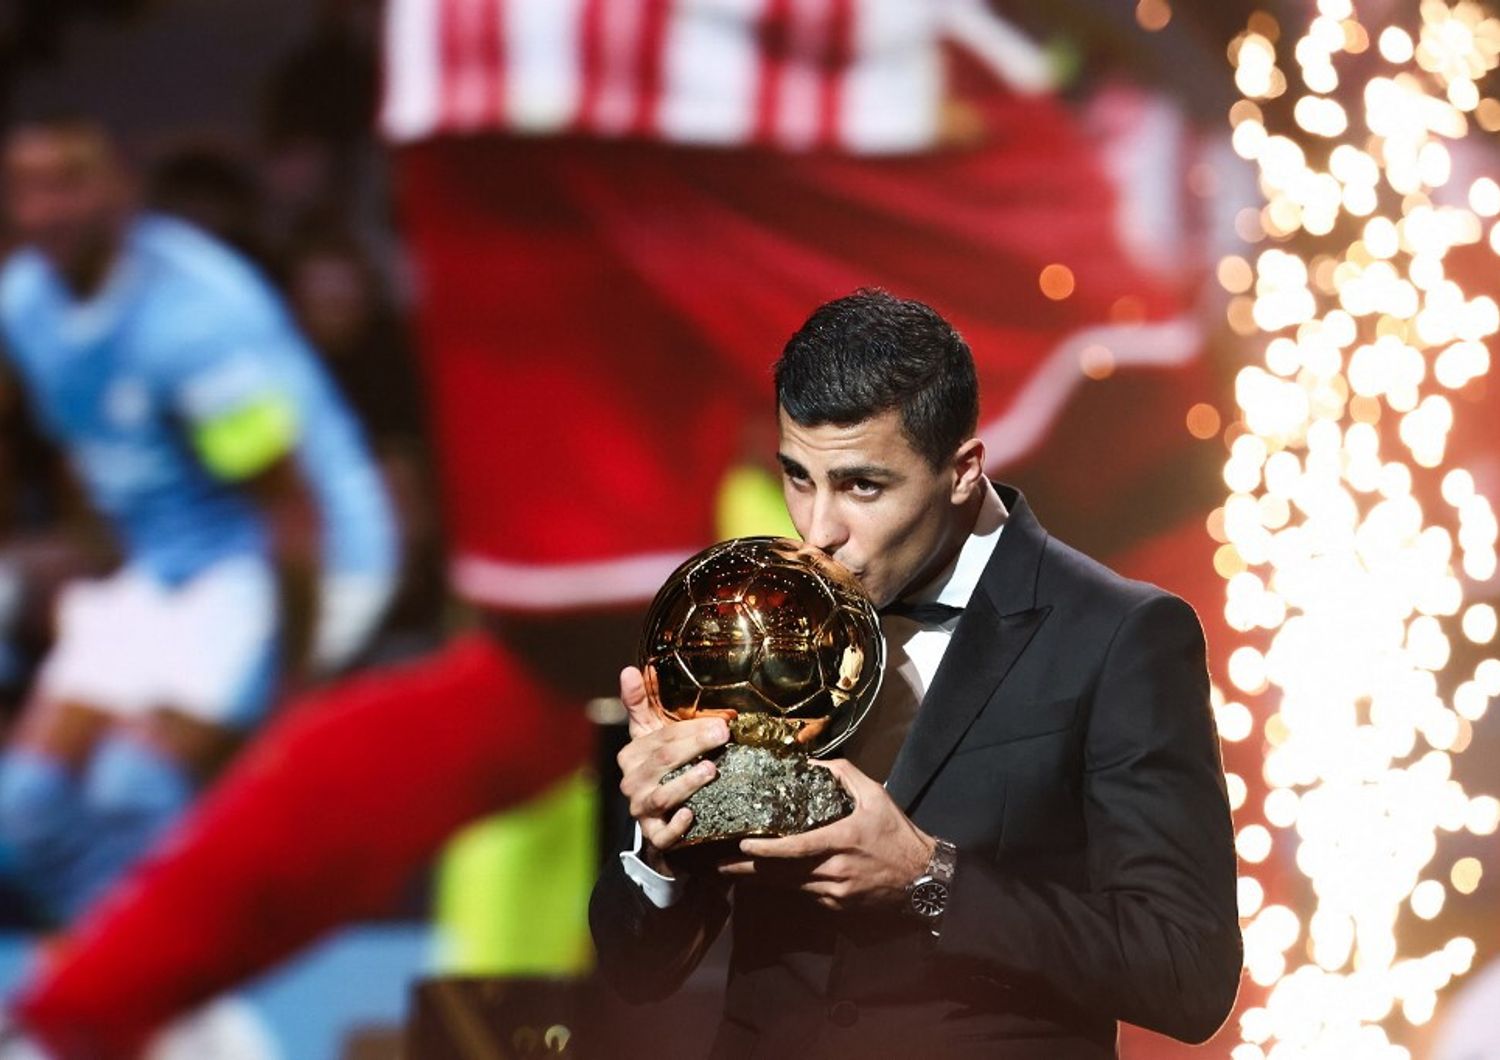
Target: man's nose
pixel 828 530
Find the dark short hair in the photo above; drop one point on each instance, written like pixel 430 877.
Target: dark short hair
pixel 871 352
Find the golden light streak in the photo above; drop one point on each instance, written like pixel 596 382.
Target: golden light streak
pixel 1348 593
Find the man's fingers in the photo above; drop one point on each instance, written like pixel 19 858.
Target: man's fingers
pixel 663 834
pixel 792 846
pixel 676 743
pixel 644 718
pixel 819 842
pixel 687 740
pixel 800 871
pixel 839 767
pixel 681 742
pixel 664 798
pixel 848 776
pixel 801 874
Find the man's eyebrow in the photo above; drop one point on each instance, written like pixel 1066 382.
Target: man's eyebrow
pixel 873 472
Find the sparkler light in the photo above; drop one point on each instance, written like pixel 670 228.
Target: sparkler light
pixel 1348 591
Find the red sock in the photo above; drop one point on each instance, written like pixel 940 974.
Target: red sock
pixel 322 821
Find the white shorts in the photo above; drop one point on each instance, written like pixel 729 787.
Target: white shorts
pixel 208 648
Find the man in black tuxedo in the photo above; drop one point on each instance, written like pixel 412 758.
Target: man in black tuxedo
pixel 1041 843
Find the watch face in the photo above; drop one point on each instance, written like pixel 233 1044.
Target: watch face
pixel 929 898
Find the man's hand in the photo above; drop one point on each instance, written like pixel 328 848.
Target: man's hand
pixel 657 746
pixel 863 861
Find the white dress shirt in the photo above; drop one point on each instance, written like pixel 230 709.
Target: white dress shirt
pixel 914 651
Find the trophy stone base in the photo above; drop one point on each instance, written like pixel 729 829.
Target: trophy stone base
pixel 762 791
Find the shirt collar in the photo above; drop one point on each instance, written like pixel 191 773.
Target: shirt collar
pixel 958 580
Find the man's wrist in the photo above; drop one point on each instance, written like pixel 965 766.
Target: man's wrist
pixel 657 861
pixel 927 845
pixel 660 888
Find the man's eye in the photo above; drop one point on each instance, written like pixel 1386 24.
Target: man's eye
pixel 864 487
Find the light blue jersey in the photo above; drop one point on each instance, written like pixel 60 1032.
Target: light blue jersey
pixel 149 384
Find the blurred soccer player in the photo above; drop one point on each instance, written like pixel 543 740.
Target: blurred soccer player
pixel 199 424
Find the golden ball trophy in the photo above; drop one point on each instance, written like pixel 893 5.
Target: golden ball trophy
pixel 782 641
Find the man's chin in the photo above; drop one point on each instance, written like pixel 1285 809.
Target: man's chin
pixel 879 596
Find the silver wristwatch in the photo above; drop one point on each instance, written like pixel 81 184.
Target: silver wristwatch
pixel 927 895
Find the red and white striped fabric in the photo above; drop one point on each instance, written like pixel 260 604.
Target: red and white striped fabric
pixel 864 76
pixel 599 296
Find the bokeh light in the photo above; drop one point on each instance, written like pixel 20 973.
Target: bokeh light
pixel 1056 281
pixel 1347 591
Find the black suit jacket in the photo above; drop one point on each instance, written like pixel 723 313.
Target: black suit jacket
pixel 1067 747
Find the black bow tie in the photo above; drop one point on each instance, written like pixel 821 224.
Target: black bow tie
pixel 925 614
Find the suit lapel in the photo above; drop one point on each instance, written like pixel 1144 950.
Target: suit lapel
pixel 999 622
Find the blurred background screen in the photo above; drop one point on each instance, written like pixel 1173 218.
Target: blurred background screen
pixel 368 366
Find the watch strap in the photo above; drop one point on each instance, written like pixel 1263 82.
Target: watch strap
pixel 927 895
pixel 944 861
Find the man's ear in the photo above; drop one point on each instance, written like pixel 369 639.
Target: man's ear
pixel 968 470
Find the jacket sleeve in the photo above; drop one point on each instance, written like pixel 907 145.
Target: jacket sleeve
pixel 1154 939
pixel 645 952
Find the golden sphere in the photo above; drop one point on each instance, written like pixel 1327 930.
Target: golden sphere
pixel 765 626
